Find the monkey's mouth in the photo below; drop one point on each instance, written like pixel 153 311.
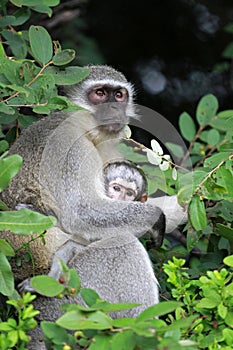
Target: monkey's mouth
pixel 112 128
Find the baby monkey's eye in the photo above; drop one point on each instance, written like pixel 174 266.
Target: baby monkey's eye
pixel 116 188
pixel 130 193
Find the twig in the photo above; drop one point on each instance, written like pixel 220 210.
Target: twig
pixel 144 147
pixel 211 172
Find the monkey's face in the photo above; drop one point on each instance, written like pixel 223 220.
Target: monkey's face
pixel 121 189
pixel 109 104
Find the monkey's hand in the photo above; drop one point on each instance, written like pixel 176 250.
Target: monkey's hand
pixel 25 286
pixel 175 214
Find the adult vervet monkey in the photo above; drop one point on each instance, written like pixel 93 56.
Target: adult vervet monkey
pixel 62 173
pixel 64 155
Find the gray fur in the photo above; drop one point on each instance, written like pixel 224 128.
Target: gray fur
pixel 64 156
pixel 102 266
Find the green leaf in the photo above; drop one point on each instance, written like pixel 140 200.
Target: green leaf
pixel 22 15
pixel 187 126
pixel 224 178
pixel 3 205
pixel 213 191
pixel 26 120
pixel 206 109
pixel 89 296
pixel 123 322
pixel 197 213
pixel 17 2
pixel 63 57
pixel 25 221
pixel 226 114
pixel 176 150
pixel 53 331
pixel 213 137
pixel 185 193
pixel 124 340
pixel 9 167
pixel 160 309
pixel 7 21
pixel 216 159
pixel 2 52
pixel 206 303
pixel 6 277
pixel 41 44
pixel 222 310
pixel 74 280
pixel 229 319
pixel 226 147
pixel 78 320
pixel 101 342
pixel 178 324
pixel 228 260
pixel 6 248
pixel 16 42
pixel 4 145
pixel 225 231
pixel 223 121
pixel 46 285
pixel 70 76
pixel 228 335
pixel 4 108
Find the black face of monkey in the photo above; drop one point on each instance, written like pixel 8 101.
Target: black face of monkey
pixel 110 104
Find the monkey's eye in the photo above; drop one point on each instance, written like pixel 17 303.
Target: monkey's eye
pixel 100 92
pixel 130 193
pixel 121 95
pixel 98 95
pixel 116 188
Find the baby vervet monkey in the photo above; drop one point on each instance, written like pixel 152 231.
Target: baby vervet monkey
pixel 124 181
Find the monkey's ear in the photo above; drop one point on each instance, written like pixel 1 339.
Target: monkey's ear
pixel 143 198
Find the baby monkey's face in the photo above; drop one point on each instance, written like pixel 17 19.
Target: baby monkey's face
pixel 121 189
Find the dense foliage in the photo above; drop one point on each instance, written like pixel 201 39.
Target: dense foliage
pixel 197 280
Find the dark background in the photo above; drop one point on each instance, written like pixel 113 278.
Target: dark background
pixel 170 49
